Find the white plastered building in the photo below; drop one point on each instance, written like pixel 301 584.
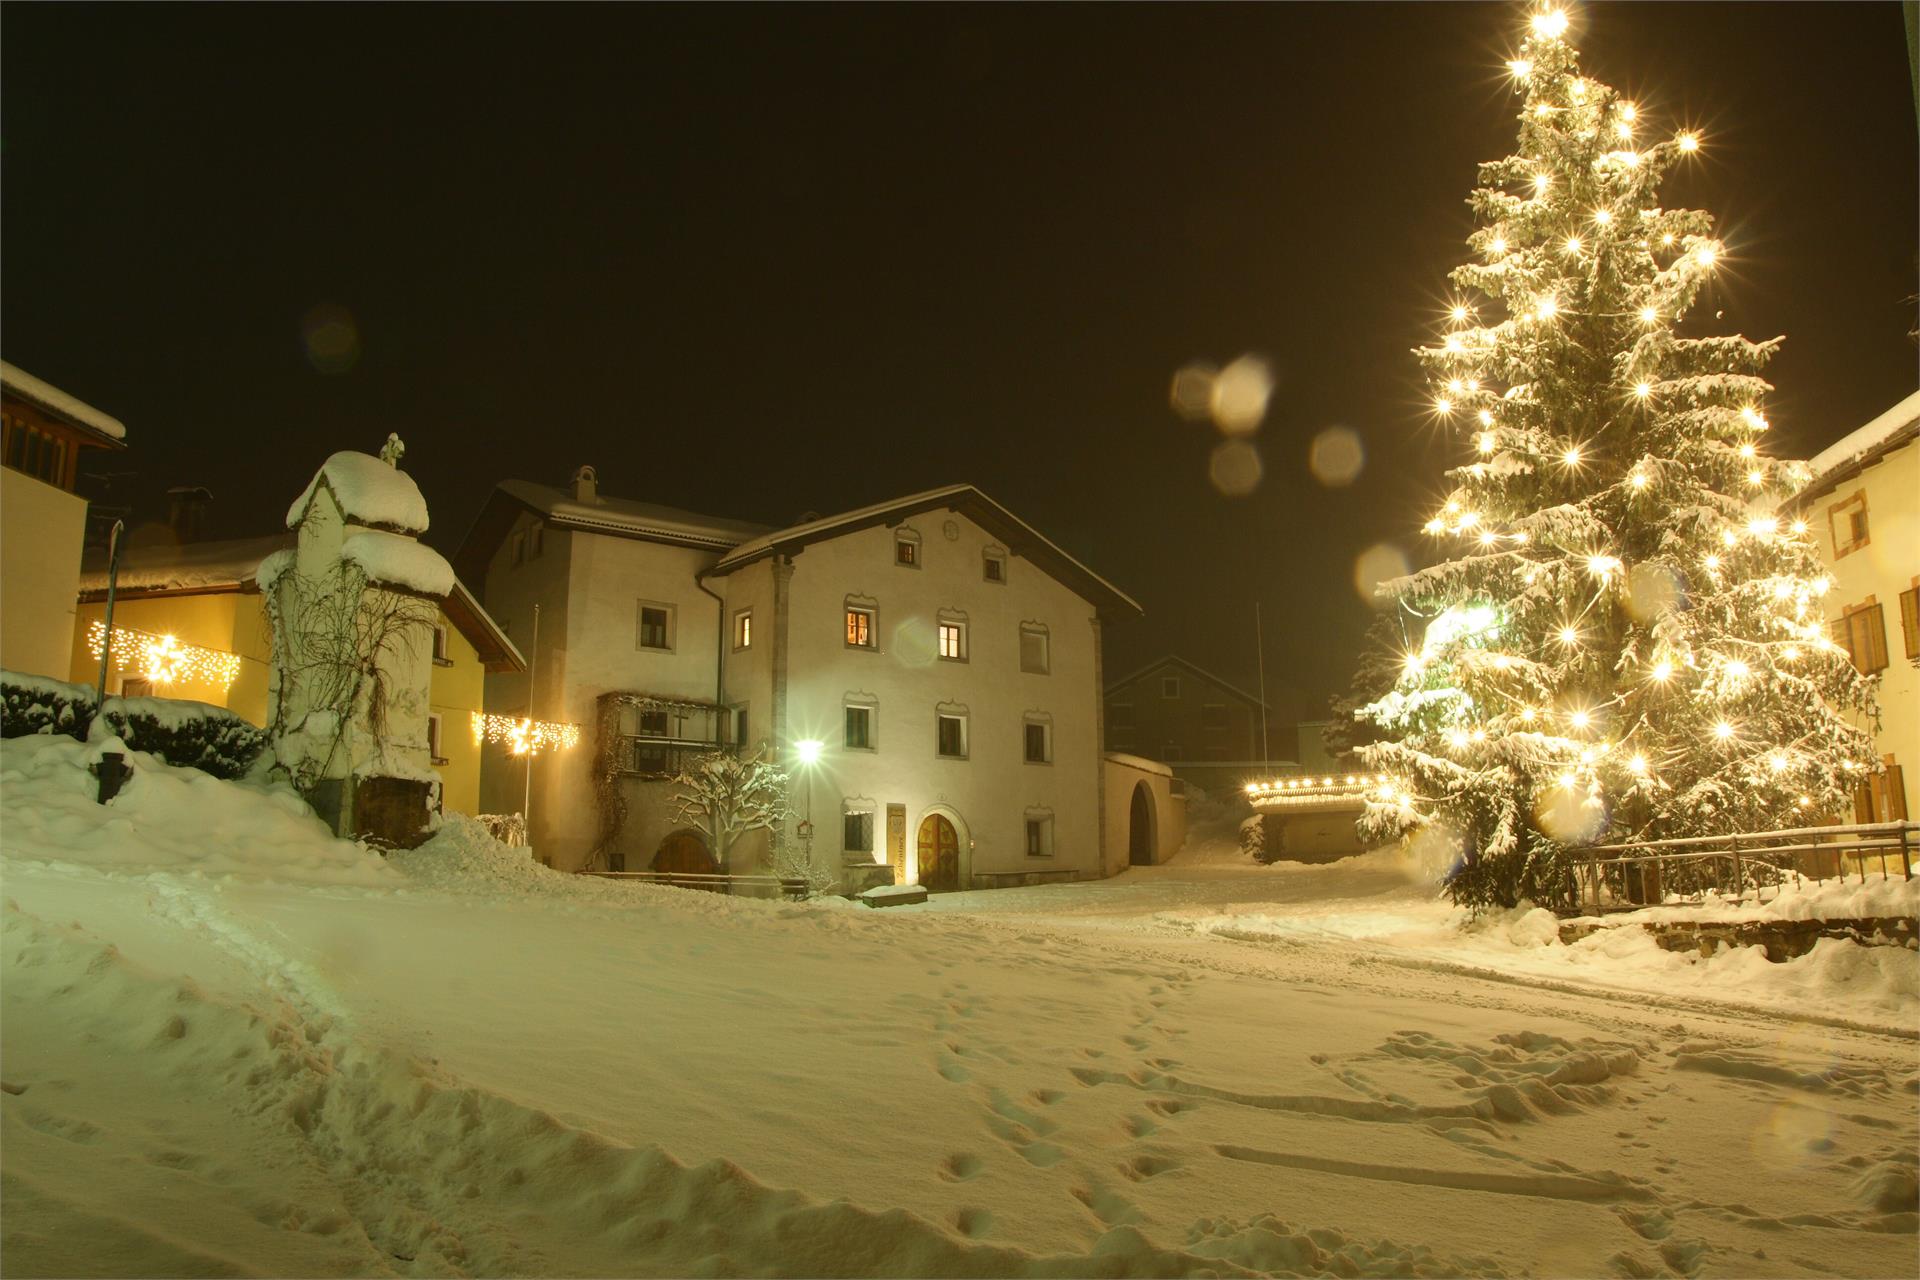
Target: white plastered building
pixel 928 668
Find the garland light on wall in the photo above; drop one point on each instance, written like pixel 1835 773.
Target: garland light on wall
pixel 522 736
pixel 163 659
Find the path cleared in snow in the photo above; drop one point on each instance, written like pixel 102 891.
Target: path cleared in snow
pixel 493 1070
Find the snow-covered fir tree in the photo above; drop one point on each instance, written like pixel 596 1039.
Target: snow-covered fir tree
pixel 1625 638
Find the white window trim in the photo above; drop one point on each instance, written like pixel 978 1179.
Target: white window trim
pixel 1045 818
pixel 1170 680
pixel 997 555
pixel 850 806
pixel 1045 722
pixel 912 536
pixel 1045 636
pixel 870 607
pixel 949 712
pixel 871 705
pixel 741 616
pixel 436 737
pixel 951 618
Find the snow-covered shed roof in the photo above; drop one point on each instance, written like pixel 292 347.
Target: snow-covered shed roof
pixel 1019 537
pixel 617 517
pixel 191 568
pixel 391 560
pixel 218 568
pixel 69 409
pixel 1194 668
pixel 1858 450
pixel 369 492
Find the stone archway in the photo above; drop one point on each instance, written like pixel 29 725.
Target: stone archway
pixel 1141 828
pixel 941 852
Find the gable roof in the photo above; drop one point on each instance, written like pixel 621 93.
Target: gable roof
pixel 71 410
pixel 1858 450
pixel 616 517
pixel 1019 537
pixel 1175 660
pixel 226 567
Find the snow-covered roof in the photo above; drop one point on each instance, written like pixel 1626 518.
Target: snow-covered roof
pixel 649 520
pixel 369 492
pixel 1175 660
pixel 183 568
pixel 1888 431
pixel 71 409
pixel 392 560
pixel 1139 762
pixel 1019 536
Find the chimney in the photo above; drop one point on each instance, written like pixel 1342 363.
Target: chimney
pixel 187 512
pixel 585 484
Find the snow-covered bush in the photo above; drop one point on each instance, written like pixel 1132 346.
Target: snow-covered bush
pixel 191 735
pixel 36 704
pixel 1253 840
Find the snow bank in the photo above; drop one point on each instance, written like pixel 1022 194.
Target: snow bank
pixel 462 857
pixel 368 491
pixel 1851 897
pixel 394 561
pixel 165 819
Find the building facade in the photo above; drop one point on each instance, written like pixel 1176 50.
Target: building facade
pixel 928 669
pixel 1863 506
pixel 1211 733
pixel 43 431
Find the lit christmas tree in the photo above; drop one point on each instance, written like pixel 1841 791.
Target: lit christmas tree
pixel 1625 641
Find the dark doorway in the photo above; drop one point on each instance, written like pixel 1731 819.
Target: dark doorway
pixel 1140 828
pixel 939 855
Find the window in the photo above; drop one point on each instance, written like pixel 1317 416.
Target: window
pixel 1120 715
pixel 1864 633
pixel 440 657
pixel 1169 686
pixel 857 833
pixel 1910 620
pixel 1038 741
pixel 1849 524
pixel 434 753
pixel 953 641
pixel 39 453
pixel 1039 836
pixel 136 687
pixel 653 724
pixel 859 727
pixel 740 725
pixel 1213 715
pixel 993 566
pixel 743 629
pixel 950 736
pixel 860 633
pixel 1881 797
pixel 906 548
pixel 656 626
pixel 1034 655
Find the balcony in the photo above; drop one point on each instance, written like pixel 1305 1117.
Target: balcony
pixel 653 759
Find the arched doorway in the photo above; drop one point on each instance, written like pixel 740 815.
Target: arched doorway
pixel 1140 831
pixel 684 851
pixel 937 854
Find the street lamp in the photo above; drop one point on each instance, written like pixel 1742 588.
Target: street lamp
pixel 807 752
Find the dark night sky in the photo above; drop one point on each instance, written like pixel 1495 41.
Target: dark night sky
pixel 756 261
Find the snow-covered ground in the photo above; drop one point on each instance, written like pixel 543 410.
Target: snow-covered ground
pixel 231 1045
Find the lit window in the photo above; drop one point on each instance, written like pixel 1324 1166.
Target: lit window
pixel 860 628
pixel 953 641
pixel 743 629
pixel 906 549
pixel 1034 649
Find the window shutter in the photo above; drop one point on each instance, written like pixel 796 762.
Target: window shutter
pixel 1910 620
pixel 1862 804
pixel 1896 794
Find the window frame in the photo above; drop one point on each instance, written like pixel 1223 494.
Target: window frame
pixel 441 657
pixel 1036 631
pixel 957 717
pixel 909 541
pixel 1910 621
pixel 641 607
pixel 743 629
pixel 872 614
pixel 869 711
pixel 1170 688
pixel 1039 834
pixel 958 626
pixel 848 815
pixel 1852 506
pixel 990 559
pixel 1044 724
pixel 436 738
pixel 1867 621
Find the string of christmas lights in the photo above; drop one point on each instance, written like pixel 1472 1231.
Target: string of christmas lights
pixel 522 736
pixel 163 659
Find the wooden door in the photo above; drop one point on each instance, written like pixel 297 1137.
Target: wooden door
pixel 684 851
pixel 939 855
pixel 897 841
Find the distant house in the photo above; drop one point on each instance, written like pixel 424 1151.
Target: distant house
pixel 1207 729
pixel 1863 506
pixel 189 623
pixel 43 522
pixel 928 667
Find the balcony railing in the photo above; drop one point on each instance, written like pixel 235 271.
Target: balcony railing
pixel 1625 877
pixel 658 758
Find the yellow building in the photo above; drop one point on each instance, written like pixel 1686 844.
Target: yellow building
pixel 188 623
pixel 43 522
pixel 1864 508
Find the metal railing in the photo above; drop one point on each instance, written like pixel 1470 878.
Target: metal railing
pixel 648 757
pixel 715 882
pixel 1626 877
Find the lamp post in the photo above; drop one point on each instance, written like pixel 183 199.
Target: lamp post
pixel 807 752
